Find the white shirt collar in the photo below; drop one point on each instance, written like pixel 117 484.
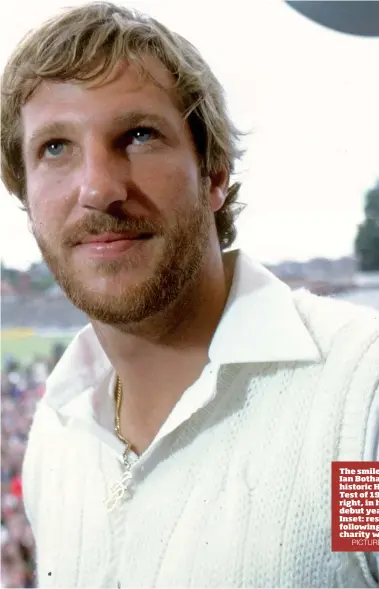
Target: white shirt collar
pixel 260 323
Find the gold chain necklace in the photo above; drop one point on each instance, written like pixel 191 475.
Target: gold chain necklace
pixel 117 429
pixel 119 488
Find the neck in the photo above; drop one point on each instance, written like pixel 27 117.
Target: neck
pixel 160 358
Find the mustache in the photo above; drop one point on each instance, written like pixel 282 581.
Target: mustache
pixel 97 223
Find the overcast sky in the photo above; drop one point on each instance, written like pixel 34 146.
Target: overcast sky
pixel 309 97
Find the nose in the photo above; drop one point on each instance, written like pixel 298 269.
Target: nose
pixel 103 179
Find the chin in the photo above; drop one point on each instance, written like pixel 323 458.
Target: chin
pixel 118 298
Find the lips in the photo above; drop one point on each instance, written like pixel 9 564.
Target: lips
pixel 110 237
pixel 111 245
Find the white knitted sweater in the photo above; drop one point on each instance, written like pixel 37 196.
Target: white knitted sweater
pixel 242 497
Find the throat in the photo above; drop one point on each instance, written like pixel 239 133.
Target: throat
pixel 146 407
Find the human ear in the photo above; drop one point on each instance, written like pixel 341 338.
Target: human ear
pixel 218 189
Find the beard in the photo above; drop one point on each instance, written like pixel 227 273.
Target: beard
pixel 173 267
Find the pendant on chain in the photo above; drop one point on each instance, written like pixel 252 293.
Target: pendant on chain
pixel 120 488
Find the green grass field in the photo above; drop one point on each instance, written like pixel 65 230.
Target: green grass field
pixel 25 345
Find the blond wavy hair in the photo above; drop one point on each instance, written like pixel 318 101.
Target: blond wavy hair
pixel 86 43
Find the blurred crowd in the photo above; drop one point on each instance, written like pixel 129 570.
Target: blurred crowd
pixel 21 389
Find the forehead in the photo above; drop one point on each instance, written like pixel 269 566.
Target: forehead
pixel 128 86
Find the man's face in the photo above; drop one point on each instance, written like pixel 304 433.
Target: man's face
pixel 114 194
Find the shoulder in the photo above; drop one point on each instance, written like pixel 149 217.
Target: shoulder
pixel 347 336
pixel 40 449
pixel 338 325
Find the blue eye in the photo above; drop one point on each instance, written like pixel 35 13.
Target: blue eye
pixel 54 148
pixel 143 134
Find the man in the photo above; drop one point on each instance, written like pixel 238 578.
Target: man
pixel 186 436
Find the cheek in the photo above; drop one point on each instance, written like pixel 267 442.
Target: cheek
pixel 48 201
pixel 171 182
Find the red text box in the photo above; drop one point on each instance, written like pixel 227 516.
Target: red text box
pixel 355 506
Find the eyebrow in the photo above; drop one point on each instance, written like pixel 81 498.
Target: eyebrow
pixel 55 130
